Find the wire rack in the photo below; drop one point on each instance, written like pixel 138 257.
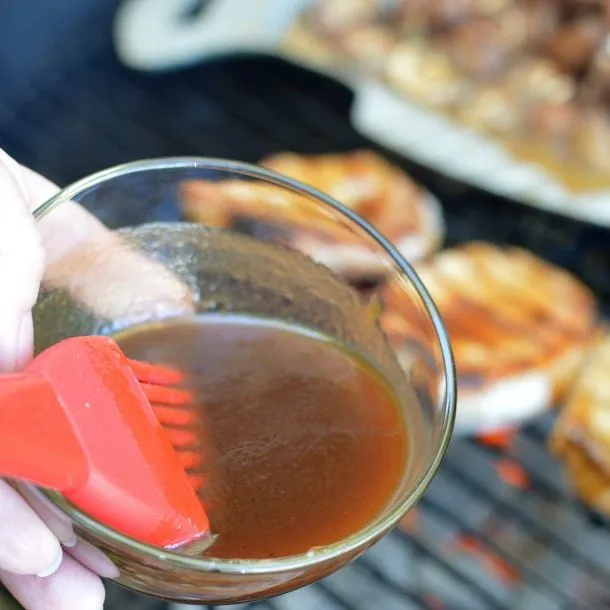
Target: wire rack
pixel 497 530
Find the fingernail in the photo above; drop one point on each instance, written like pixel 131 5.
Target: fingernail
pixel 94 559
pixel 53 567
pixel 70 542
pixel 16 343
pixel 10 327
pixel 25 341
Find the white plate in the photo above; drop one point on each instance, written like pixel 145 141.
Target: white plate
pixel 152 35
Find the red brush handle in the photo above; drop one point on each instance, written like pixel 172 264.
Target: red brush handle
pixel 37 441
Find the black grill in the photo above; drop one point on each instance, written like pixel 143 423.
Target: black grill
pixel 544 550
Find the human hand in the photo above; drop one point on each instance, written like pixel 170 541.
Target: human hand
pixel 40 561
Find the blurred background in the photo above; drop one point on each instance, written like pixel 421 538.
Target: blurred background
pixel 498 529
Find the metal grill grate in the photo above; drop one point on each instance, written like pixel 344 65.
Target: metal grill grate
pixel 544 550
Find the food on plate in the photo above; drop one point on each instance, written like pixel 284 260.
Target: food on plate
pixel 415 68
pixel 581 437
pixel 573 44
pixel 369 45
pixel 344 14
pixel 442 14
pixel 519 328
pixel 362 181
pixel 514 70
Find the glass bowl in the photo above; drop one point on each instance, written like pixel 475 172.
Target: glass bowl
pixel 248 263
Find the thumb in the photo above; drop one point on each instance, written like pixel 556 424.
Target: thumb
pixel 21 267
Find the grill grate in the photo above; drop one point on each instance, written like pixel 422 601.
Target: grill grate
pixel 544 550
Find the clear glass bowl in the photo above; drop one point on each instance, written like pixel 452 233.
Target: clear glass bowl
pixel 161 269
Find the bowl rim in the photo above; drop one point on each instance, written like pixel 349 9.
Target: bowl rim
pixel 360 539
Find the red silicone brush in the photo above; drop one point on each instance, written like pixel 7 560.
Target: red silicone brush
pixel 79 420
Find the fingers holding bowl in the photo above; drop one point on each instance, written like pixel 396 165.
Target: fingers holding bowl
pixel 70 586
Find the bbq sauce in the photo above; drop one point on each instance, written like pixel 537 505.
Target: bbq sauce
pixel 302 442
